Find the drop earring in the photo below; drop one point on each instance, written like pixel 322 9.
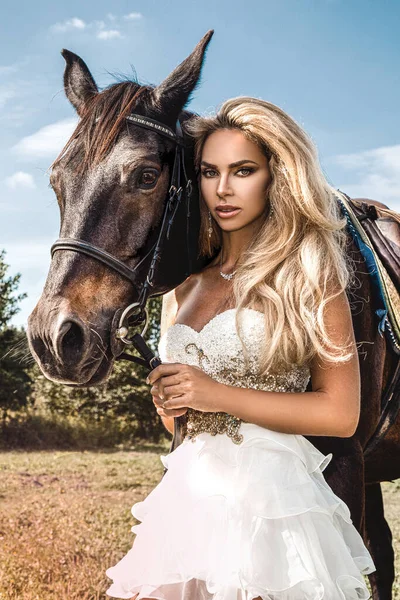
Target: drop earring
pixel 210 228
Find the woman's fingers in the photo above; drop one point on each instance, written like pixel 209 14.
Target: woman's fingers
pixel 174 379
pixel 164 370
pixel 157 398
pixel 167 412
pixel 170 412
pixel 164 385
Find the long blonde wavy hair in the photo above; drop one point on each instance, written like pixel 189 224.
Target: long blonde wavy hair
pixel 297 262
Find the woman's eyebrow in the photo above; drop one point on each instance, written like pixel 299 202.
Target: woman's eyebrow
pixel 234 164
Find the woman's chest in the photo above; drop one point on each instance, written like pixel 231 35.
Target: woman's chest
pixel 201 299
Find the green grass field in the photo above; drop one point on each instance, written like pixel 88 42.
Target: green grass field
pixel 65 518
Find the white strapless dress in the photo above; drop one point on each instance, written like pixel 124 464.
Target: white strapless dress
pixel 242 511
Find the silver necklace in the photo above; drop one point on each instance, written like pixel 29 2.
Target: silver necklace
pixel 227 276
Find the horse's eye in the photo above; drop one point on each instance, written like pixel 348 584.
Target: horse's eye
pixel 148 178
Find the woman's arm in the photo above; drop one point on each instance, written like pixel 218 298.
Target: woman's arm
pixel 331 409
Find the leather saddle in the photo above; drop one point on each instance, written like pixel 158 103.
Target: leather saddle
pixel 376 230
pixel 382 226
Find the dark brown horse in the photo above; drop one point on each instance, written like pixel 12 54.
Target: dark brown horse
pixel 110 182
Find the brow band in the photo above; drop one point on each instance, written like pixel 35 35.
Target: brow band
pixel 154 125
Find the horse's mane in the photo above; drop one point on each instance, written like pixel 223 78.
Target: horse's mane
pixel 102 120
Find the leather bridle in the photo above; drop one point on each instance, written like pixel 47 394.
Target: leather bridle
pixel 136 313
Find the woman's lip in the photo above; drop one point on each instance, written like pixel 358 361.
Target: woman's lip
pixel 225 214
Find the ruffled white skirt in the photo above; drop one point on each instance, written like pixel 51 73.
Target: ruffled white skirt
pixel 238 522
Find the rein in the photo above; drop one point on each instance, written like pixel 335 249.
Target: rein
pixel 136 313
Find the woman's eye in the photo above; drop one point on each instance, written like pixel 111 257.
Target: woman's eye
pixel 243 172
pixel 148 178
pixel 247 171
pixel 208 173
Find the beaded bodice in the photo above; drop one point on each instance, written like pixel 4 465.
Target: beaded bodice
pixel 218 351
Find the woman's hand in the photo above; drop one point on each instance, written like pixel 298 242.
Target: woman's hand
pixel 176 386
pixel 165 412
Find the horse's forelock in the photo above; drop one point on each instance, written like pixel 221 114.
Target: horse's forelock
pixel 102 122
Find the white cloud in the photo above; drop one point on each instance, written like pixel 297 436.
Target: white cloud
pixel 68 25
pixel 5 69
pixel 16 104
pixel 95 27
pixel 47 141
pixel 386 158
pixel 6 93
pixel 109 34
pixel 133 16
pixel 376 174
pixel 15 67
pixel 20 179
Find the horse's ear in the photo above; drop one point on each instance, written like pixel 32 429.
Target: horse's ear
pixel 79 84
pixel 174 92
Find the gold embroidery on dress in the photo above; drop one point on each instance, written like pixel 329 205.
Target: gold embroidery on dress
pixel 218 352
pixel 214 423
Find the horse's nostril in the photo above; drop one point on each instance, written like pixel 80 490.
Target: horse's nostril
pixel 70 341
pixel 38 347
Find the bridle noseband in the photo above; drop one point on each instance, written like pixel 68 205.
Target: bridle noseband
pixel 136 312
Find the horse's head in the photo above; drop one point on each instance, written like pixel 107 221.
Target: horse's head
pixel 111 182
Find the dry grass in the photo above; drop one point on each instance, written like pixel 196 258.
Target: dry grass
pixel 65 518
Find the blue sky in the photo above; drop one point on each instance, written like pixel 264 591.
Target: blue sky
pixel 333 65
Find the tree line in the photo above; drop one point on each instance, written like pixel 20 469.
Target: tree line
pixel 39 412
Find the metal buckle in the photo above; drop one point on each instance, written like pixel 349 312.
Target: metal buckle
pixel 123 330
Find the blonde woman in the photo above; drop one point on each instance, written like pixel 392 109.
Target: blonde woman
pixel 244 511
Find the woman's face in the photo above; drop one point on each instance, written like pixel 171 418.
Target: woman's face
pixel 234 173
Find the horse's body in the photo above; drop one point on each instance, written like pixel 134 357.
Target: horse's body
pixel 102 186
